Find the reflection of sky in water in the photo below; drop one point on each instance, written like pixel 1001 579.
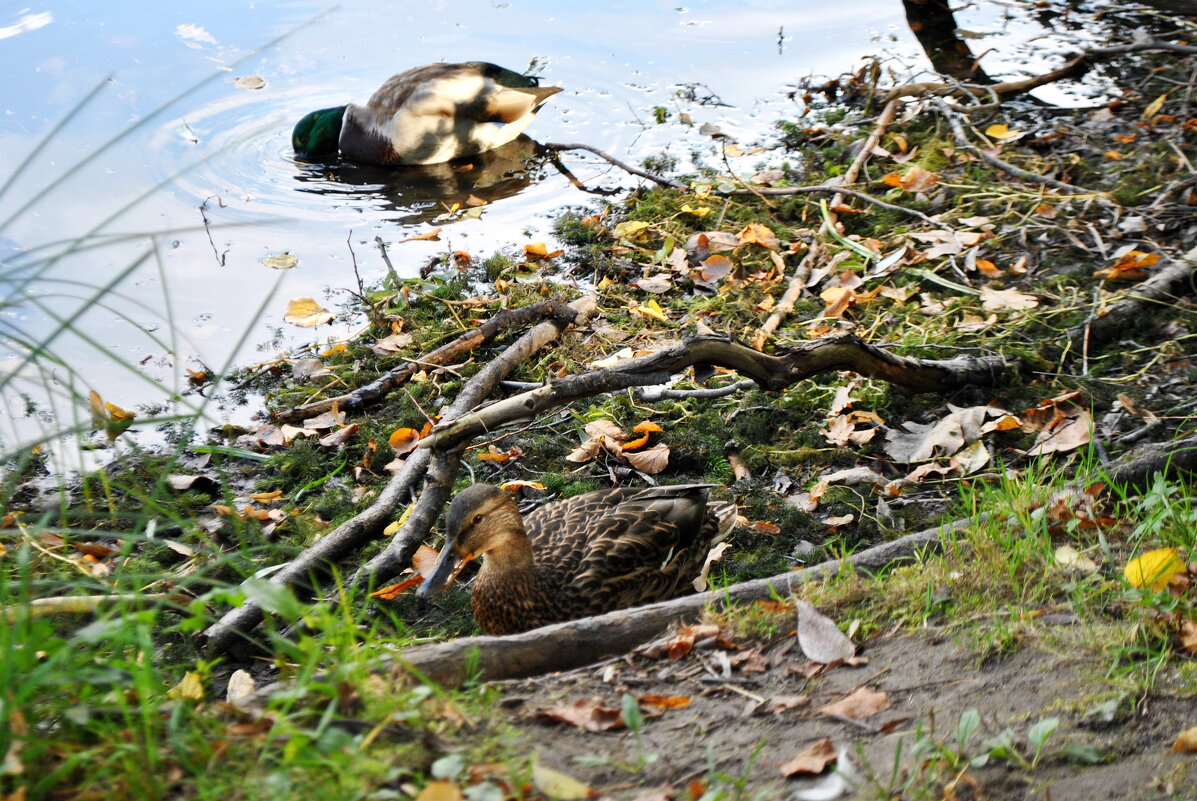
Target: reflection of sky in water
pixel 616 61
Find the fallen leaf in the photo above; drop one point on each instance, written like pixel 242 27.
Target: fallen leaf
pixel 280 261
pixel 998 299
pixel 665 701
pixel 714 555
pixel 393 343
pixel 1073 429
pixel 305 313
pixel 428 236
pixel 715 267
pixel 820 638
pixel 656 284
pixel 1154 569
pixel 758 234
pixel 859 705
pixel 585 715
pixel 650 460
pixel 916 179
pixel 916 442
pixel 538 251
pixel 813 760
pixel 440 790
pixel 556 784
pixel 650 309
pixel 1186 742
pixel 403 440
pixel 1072 559
pixel 190 688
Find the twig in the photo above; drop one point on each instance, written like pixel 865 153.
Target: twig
pixel 962 140
pixel 793 291
pixel 364 526
pixel 651 394
pixel 220 257
pixel 1073 69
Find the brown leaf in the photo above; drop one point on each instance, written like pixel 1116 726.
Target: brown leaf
pixel 656 284
pixel 650 460
pixel 714 268
pixel 1186 742
pixel 784 703
pixel 820 638
pixel 665 701
pixel 859 705
pixel 493 454
pixel 538 251
pixel 813 760
pixel 758 234
pixel 998 299
pixel 586 715
pixel 714 555
pixel 440 790
pixel 339 437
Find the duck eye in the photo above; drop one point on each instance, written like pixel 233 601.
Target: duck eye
pixel 477 519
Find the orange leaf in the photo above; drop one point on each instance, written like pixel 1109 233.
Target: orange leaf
pixel 393 591
pixel 647 426
pixel 429 236
pixel 757 234
pixel 404 440
pixel 665 701
pixel 634 444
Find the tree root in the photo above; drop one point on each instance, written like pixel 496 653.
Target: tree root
pixel 771 372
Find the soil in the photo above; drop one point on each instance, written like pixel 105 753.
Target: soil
pixel 929 680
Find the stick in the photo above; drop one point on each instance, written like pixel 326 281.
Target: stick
pixel 843 351
pixel 354 533
pixel 374 392
pixel 793 291
pixel 563 646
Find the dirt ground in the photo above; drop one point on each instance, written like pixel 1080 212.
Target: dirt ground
pixel 928 680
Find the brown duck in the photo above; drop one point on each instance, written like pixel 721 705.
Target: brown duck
pixel 579 556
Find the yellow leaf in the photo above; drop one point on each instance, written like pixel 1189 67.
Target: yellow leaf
pixel 647 426
pixel 1154 107
pixel 117 413
pixel 1001 131
pixel 630 229
pixel 440 791
pixel 266 497
pixel 1154 569
pixel 305 313
pixel 515 484
pixel 556 784
pixel 1186 741
pixel 280 261
pixel 191 688
pixel 699 211
pixel 651 309
pixel 604 284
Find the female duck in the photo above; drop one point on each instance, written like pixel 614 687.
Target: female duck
pixel 580 556
pixel 426 115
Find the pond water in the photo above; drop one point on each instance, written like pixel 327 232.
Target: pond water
pixel 172 139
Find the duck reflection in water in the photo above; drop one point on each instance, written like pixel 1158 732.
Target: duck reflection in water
pixel 425 192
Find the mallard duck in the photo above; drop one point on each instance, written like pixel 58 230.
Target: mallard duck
pixel 426 115
pixel 579 556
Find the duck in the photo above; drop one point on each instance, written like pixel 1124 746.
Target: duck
pixel 426 115
pixel 580 556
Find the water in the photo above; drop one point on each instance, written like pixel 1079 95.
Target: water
pixel 203 296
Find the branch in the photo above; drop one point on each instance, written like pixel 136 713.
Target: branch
pixel 790 297
pixel 563 646
pixel 363 527
pixel 771 372
pixel 374 392
pixel 1073 69
pixel 962 140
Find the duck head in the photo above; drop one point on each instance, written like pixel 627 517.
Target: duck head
pixel 318 133
pixel 483 519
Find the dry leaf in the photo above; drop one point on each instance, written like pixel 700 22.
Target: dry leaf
pixel 1072 559
pixel 656 284
pixel 306 312
pixel 820 638
pixel 650 460
pixel 1186 742
pixel 665 701
pixel 558 785
pixel 921 441
pixel 280 261
pixel 714 555
pixel 586 715
pixel 998 299
pixel 757 234
pixel 859 705
pixel 813 760
pixel 651 309
pixel 440 790
pixel 538 251
pixel 403 440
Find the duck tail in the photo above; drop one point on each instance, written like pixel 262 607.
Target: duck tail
pixel 725 517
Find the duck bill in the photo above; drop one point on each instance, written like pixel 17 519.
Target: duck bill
pixel 447 567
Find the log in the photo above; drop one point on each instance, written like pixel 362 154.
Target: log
pixel 843 351
pixel 564 646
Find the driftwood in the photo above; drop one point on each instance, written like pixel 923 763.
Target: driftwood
pixel 771 372
pixel 563 646
pixel 363 527
pixel 374 392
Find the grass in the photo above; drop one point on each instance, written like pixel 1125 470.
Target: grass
pixel 121 703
